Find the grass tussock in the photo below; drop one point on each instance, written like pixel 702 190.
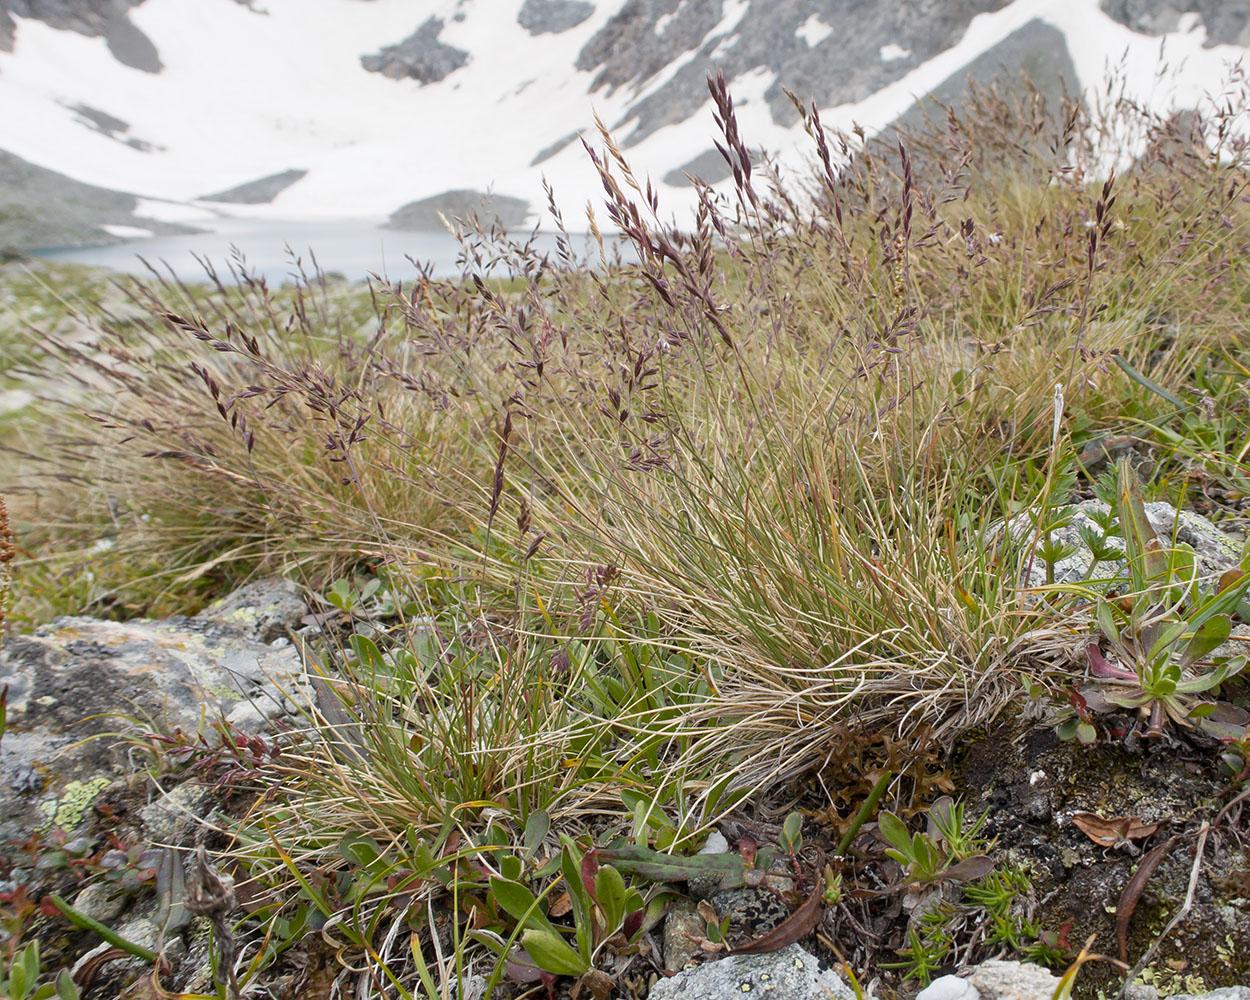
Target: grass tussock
pixel 684 521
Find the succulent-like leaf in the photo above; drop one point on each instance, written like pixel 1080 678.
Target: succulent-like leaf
pixel 66 988
pixel 552 953
pixel 792 832
pixel 519 903
pixel 359 849
pixel 510 867
pixel 658 867
pixel 969 869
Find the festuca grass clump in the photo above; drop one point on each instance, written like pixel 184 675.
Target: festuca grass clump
pixel 640 538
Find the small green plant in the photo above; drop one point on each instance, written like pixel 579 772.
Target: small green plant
pixel 945 851
pixel 606 913
pixel 927 946
pixel 21 981
pixel 1161 630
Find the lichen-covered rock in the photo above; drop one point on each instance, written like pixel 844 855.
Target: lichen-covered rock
pixel 1032 786
pixel 80 687
pixel 683 926
pixel 264 609
pixel 996 980
pixel 1214 551
pixel 793 973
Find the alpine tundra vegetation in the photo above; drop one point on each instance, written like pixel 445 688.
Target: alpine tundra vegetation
pixel 718 595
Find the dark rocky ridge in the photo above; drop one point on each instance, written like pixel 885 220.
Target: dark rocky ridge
pixel 1035 51
pixel 42 208
pixel 843 67
pixel 110 125
pixel 420 56
pixel 260 191
pixel 93 18
pixel 1227 21
pixel 540 17
pixel 428 213
pixel 709 167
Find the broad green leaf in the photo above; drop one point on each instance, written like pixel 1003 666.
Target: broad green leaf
pixel 895 832
pixel 1168 637
pixel 610 893
pixel 359 849
pixel 553 954
pixel 1163 687
pixel 518 902
pixel 510 867
pixel 536 829
pixel 970 868
pixel 66 988
pixel 1211 679
pixel 17 981
pixel 1209 636
pixel 792 832
pixel 369 655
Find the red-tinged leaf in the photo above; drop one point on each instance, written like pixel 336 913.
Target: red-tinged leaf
pixel 1113 831
pixel 1228 578
pixel 520 968
pixel 968 869
pixel 590 867
pixel 746 850
pixel 795 927
pixel 632 923
pixel 1133 890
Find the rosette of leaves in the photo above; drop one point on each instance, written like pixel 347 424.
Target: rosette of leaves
pixel 1160 634
pixel 607 915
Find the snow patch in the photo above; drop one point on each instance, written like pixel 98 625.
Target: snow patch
pixel 891 52
pixel 814 31
pixel 1189 21
pixel 126 232
pixel 173 211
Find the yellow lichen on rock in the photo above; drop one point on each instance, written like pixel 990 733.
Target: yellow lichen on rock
pixel 67 812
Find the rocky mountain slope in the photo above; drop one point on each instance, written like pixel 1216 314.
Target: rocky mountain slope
pixel 182 111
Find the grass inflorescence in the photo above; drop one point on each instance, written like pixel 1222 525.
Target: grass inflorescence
pixel 657 533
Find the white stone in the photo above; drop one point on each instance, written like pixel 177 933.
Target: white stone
pixel 949 988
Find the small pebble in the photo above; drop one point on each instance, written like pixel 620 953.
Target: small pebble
pixel 716 844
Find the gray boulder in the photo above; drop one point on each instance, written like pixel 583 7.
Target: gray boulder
pixel 79 688
pixel 994 980
pixel 1215 552
pixel 793 973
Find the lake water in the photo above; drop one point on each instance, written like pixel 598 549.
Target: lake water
pixel 353 248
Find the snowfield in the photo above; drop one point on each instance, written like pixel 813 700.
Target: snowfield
pixel 243 95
